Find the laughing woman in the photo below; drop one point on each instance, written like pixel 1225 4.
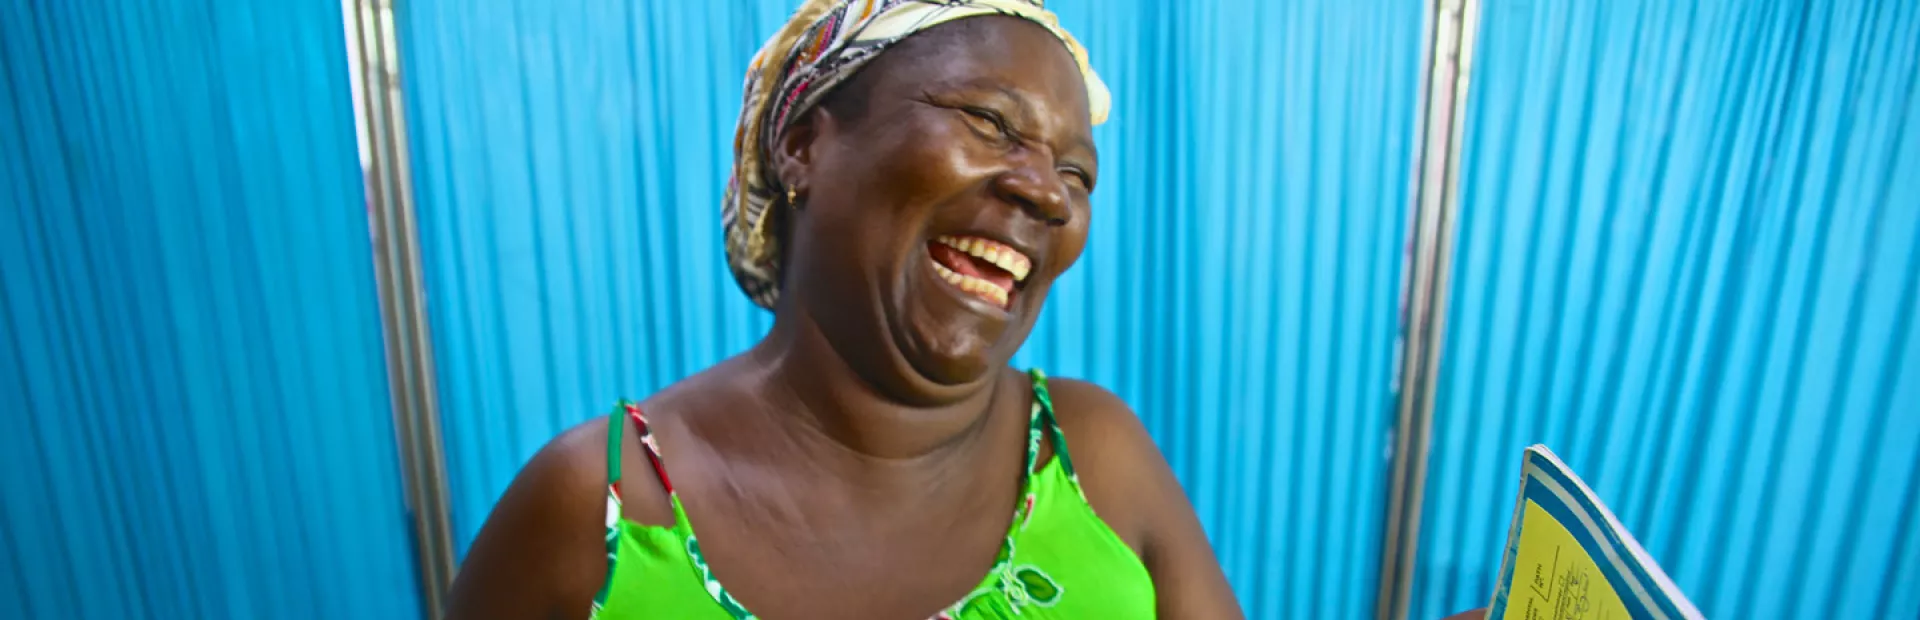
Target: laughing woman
pixel 910 179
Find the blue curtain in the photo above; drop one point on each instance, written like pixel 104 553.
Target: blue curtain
pixel 1687 262
pixel 1240 289
pixel 193 403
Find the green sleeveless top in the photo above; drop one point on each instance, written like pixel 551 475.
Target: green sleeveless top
pixel 1059 560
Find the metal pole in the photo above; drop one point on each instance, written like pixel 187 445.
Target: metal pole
pixel 410 368
pixel 1452 27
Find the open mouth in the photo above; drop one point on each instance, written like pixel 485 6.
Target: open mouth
pixel 980 267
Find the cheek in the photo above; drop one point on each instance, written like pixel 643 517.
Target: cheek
pixel 1071 240
pixel 928 168
pixel 898 176
pixel 917 157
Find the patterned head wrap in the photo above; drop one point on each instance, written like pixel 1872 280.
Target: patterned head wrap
pixel 823 45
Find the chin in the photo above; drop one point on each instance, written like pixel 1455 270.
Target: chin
pixel 954 363
pixel 949 339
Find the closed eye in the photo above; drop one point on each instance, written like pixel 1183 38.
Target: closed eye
pixel 998 122
pixel 978 116
pixel 1086 180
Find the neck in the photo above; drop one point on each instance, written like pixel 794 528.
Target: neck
pixel 891 418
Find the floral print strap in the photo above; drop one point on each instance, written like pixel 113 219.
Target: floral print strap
pixel 1043 419
pixel 616 427
pixel 646 441
pixel 681 525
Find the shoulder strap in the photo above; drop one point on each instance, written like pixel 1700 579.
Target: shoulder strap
pixel 616 427
pixel 1045 423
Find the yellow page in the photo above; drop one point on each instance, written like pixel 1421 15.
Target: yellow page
pixel 1554 579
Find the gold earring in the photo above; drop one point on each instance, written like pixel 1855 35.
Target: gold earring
pixel 792 201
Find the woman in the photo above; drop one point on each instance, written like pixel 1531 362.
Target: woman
pixel 911 177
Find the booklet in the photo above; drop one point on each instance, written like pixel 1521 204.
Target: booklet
pixel 1568 558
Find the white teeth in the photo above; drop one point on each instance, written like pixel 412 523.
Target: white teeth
pixel 976 286
pixel 1001 256
pixel 948 274
pixel 1006 258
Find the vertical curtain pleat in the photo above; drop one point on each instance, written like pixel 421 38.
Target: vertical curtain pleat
pixel 1239 289
pixel 1686 262
pixel 193 408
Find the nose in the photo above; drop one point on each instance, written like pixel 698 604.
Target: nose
pixel 1039 191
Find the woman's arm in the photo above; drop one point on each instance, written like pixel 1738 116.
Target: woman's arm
pixel 542 553
pixel 1132 488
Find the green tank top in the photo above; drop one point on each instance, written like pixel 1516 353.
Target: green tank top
pixel 1059 560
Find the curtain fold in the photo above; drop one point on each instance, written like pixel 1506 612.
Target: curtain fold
pixel 1239 289
pixel 1686 262
pixel 193 404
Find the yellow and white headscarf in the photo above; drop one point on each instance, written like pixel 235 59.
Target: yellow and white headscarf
pixel 824 43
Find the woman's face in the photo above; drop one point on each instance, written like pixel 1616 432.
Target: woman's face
pixel 938 213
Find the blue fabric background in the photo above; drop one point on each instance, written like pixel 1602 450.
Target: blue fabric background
pixel 194 416
pixel 1240 287
pixel 1688 259
pixel 1689 262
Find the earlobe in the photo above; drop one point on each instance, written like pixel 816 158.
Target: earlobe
pixel 794 149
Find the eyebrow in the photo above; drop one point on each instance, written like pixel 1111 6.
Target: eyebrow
pixel 1083 142
pixel 1012 96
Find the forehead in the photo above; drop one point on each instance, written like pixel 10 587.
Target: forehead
pixel 995 53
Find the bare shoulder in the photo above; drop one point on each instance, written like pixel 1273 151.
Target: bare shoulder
pixel 1100 416
pixel 1111 450
pixel 1131 487
pixel 542 550
pixel 562 485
